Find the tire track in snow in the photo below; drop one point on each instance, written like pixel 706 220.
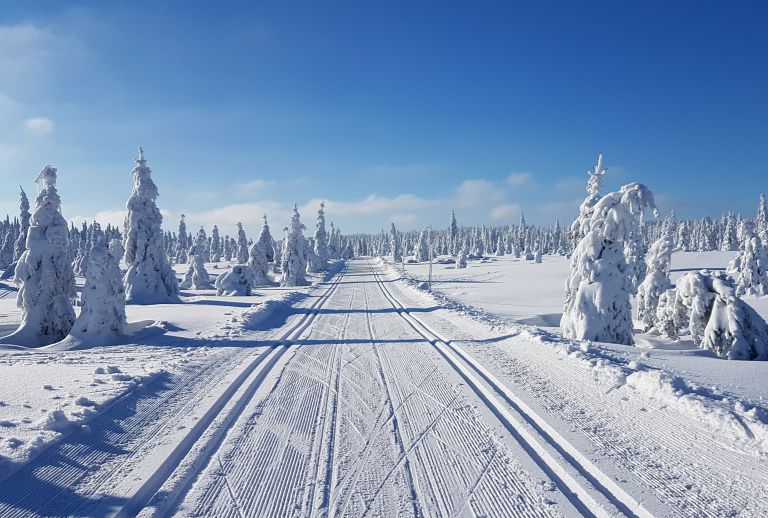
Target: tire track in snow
pixel 577 477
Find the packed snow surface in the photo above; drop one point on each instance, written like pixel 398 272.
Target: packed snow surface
pixel 365 395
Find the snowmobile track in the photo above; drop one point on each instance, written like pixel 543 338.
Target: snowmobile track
pixel 569 469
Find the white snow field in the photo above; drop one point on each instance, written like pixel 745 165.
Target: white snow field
pixel 365 396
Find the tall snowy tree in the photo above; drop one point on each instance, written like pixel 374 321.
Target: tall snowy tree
pixel 24 216
pixel 294 256
pixel 598 289
pixel 749 268
pixel 394 244
pixel 258 260
pixel 580 226
pixel 44 273
pixel 761 221
pixel 182 245
pixel 215 245
pixel 422 246
pixel 150 278
pixel 102 317
pixel 242 245
pixel 656 280
pixel 453 235
pixel 321 240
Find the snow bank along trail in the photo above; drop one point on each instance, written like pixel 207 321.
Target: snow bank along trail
pixel 365 418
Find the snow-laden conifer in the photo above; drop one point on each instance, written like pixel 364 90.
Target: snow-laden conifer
pixel 182 245
pixel 598 289
pixel 242 245
pixel 197 276
pixel 321 241
pixel 24 216
pixel 422 246
pixel 258 259
pixel 102 318
pixel 581 226
pixel 461 258
pixel 294 253
pixel 749 268
pixel 719 320
pixel 215 245
pixel 44 273
pixel 150 278
pixel 394 244
pixel 656 280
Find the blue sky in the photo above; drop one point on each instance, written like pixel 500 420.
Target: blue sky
pixel 391 111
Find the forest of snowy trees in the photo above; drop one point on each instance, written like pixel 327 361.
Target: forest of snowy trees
pixel 617 253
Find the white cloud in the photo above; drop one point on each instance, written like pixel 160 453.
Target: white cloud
pixel 506 211
pixel 472 193
pixel 371 204
pixel 38 126
pixel 518 179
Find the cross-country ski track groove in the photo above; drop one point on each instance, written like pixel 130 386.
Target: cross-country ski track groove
pixel 573 472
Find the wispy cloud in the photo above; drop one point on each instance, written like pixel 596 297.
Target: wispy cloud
pixel 38 126
pixel 507 211
pixel 518 179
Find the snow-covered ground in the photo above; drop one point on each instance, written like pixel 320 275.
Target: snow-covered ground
pixel 46 394
pixel 364 395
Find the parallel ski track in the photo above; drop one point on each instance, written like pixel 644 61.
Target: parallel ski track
pixel 275 351
pixel 533 433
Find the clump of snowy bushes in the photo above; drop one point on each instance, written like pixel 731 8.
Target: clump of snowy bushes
pixel 707 304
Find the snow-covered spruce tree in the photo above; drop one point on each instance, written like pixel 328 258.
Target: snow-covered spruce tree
pixel 258 259
pixel 242 245
pixel 453 236
pixel 117 249
pixel 227 249
pixel 394 244
pixel 182 245
pixel 598 289
pixel 422 246
pixel 44 273
pixel 103 298
pixel 313 261
pixel 294 255
pixel 215 245
pixel 500 247
pixel 236 281
pixel 6 250
pixel 750 266
pixel 24 216
pixel 580 226
pixel 265 238
pixel 150 278
pixel 719 320
pixel 197 276
pixel 321 241
pixel 656 281
pixel 537 254
pixel 761 222
pixel 461 258
pixel 201 245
